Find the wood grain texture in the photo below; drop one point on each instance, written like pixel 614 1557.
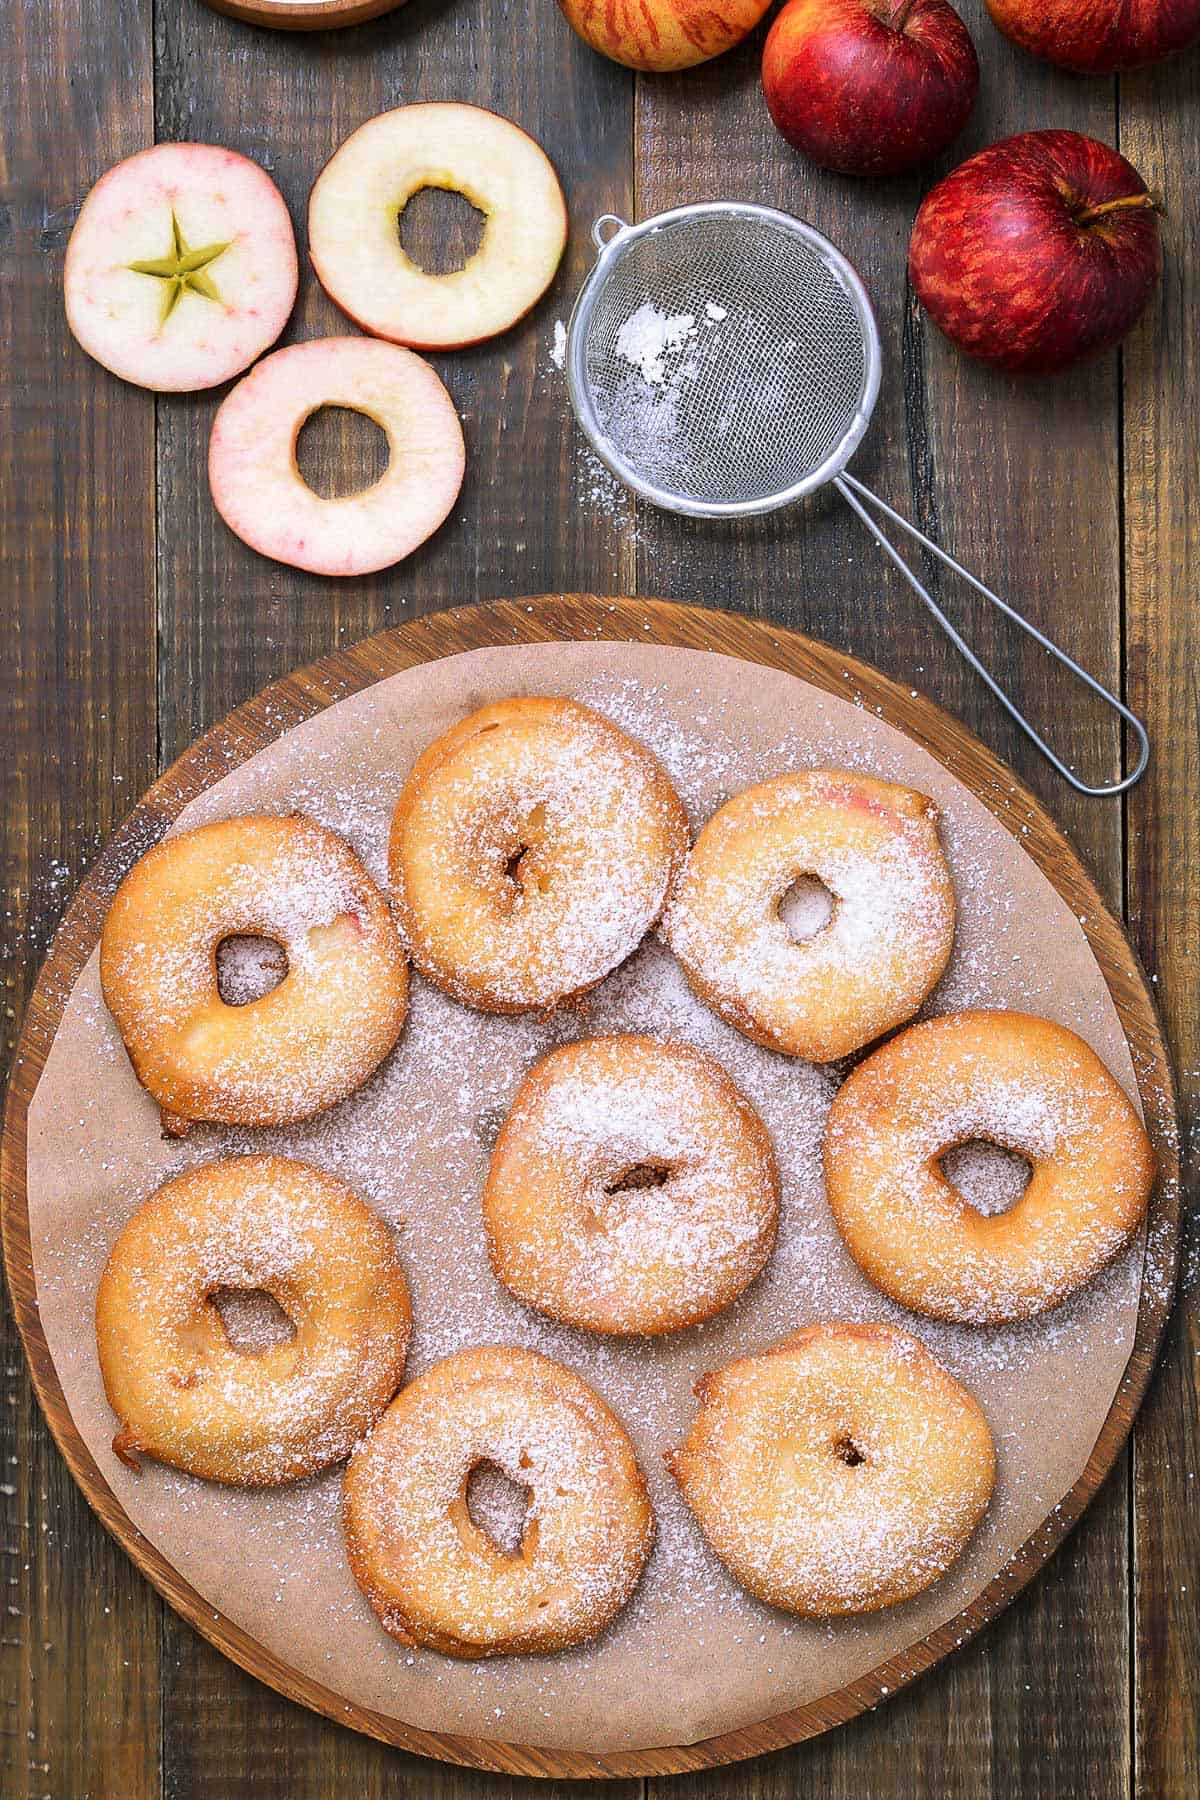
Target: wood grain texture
pixel 77 737
pixel 551 617
pixel 1160 132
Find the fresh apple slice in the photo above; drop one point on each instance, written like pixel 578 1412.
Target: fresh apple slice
pixel 261 494
pixel 354 225
pixel 181 268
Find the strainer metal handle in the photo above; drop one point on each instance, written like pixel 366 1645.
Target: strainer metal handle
pixel 857 497
pixel 834 374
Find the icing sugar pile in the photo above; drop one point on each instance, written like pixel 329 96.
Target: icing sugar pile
pixel 646 413
pixel 648 337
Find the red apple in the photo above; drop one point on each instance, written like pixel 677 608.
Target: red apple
pixel 1098 36
pixel 869 87
pixel 660 35
pixel 1040 250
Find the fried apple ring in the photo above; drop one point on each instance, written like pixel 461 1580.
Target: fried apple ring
pixel 183 1393
pixel 875 847
pixel 1026 1084
pixel 432 1575
pixel 533 846
pixel 632 1188
pixel 307 1043
pixel 841 1471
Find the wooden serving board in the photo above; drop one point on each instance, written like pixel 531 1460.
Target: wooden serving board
pixel 569 617
pixel 305 15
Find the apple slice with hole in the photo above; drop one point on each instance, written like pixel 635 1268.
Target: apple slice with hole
pixel 181 268
pixel 359 198
pixel 256 481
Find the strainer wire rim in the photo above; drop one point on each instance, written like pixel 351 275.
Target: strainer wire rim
pixel 578 387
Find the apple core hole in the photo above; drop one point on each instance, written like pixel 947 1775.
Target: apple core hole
pixel 440 230
pixel 340 451
pixel 806 907
pixel 512 867
pixel 249 968
pixel 990 1178
pixel 253 1320
pixel 638 1177
pixel 498 1506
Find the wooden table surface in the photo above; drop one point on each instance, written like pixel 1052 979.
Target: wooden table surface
pixel 132 620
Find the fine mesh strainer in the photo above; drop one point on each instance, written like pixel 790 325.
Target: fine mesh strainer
pixel 761 396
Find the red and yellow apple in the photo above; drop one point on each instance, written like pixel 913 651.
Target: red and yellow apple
pixel 1098 36
pixel 869 87
pixel 1040 250
pixel 660 35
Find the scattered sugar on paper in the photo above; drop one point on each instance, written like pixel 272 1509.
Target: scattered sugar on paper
pixel 416 1139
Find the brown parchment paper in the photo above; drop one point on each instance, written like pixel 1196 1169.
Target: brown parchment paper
pixel 692 1655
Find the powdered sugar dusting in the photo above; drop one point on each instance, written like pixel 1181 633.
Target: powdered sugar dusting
pixel 1020 1084
pixel 884 944
pixel 649 338
pixel 534 857
pixel 415 1142
pixel 632 1190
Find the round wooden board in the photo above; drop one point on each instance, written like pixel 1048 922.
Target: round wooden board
pixel 563 617
pixel 304 15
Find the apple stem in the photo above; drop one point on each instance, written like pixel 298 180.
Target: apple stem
pixel 1090 214
pixel 899 18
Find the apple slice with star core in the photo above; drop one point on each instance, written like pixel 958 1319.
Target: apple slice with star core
pixel 181 268
pixel 361 193
pixel 256 481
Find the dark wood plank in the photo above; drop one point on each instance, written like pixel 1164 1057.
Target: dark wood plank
pixel 1021 482
pixel 274 1748
pixel 1160 133
pixel 76 699
pixel 229 621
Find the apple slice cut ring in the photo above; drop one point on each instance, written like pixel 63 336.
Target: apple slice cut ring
pixel 181 268
pixel 256 481
pixel 354 225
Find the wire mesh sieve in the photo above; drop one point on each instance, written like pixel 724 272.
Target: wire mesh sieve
pixel 780 365
pixel 752 387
